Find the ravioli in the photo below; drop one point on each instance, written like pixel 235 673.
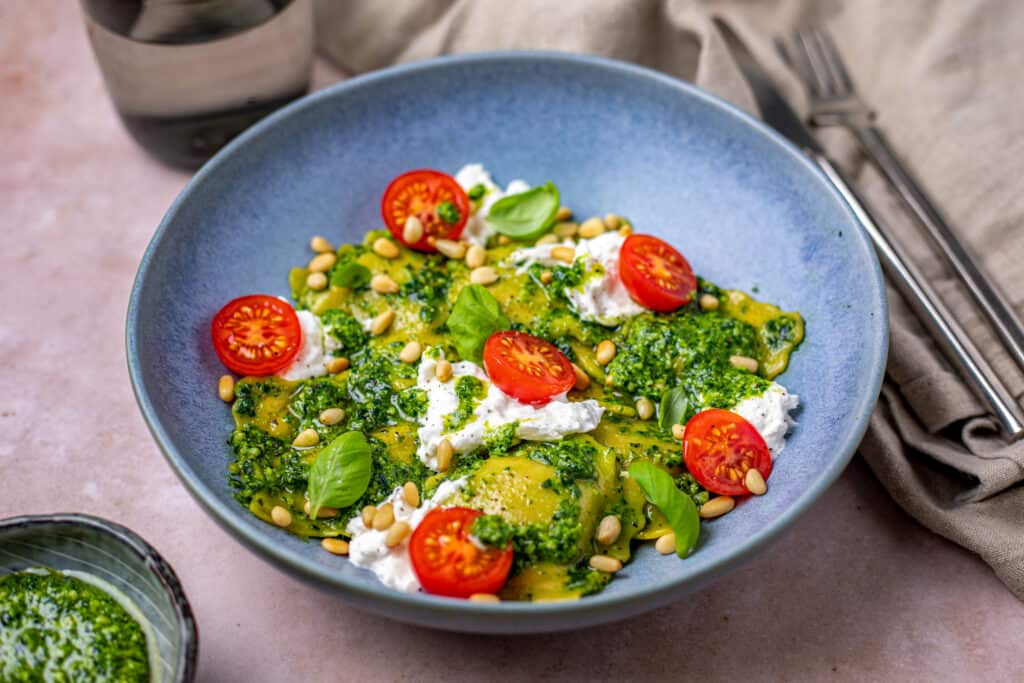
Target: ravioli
pixel 549 496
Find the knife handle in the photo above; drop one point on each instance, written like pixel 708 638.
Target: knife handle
pixel 932 312
pixel 992 302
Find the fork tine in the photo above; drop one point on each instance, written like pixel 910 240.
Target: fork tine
pixel 815 72
pixel 792 58
pixel 835 61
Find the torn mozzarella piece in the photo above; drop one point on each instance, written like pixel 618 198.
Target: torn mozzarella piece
pixel 367 547
pixel 601 298
pixel 549 422
pixel 769 414
pixel 477 230
pixel 315 351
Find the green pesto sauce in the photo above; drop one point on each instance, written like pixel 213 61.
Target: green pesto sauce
pixel 545 498
pixel 470 391
pixel 56 627
pixel 657 353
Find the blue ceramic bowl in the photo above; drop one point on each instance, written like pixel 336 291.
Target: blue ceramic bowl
pixel 747 209
pixel 119 557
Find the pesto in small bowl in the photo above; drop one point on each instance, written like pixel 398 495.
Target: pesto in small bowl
pixel 64 626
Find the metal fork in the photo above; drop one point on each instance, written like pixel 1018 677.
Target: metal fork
pixel 834 102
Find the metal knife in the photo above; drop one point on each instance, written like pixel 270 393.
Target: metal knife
pixel 930 309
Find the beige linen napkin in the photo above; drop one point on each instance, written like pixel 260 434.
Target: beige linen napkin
pixel 944 77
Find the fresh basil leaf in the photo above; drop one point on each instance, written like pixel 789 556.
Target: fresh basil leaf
pixel 475 317
pixel 341 473
pixel 526 215
pixel 350 274
pixel 677 507
pixel 673 409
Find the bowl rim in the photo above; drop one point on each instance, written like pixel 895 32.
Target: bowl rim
pixel 599 607
pixel 188 630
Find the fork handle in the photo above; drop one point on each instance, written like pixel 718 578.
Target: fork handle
pixel 992 302
pixel 932 312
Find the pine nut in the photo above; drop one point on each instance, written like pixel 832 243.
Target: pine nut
pixel 666 545
pixel 385 248
pixel 603 563
pixel 504 240
pixel 564 213
pixel 336 365
pixel 397 533
pixel 709 302
pixel 412 231
pixel 411 494
pixel 755 483
pixel 444 455
pixel 744 363
pixel 582 379
pixel 382 322
pixel 321 263
pixel 678 431
pixel 546 239
pixel 226 388
pixel 608 530
pixel 546 277
pixel 323 513
pixel 316 281
pixel 611 221
pixel 476 256
pixel 306 438
pixel 335 546
pixel 592 227
pixel 605 352
pixel 484 275
pixel 565 230
pixel 320 245
pixel 384 518
pixel 716 507
pixel 280 516
pixel 443 370
pixel 644 409
pixel 563 254
pixel 411 352
pixel 368 513
pixel 331 416
pixel 383 284
pixel 626 230
pixel 484 597
pixel 451 249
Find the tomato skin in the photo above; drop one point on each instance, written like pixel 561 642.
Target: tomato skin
pixel 256 335
pixel 448 562
pixel 548 374
pixel 419 193
pixel 655 274
pixel 737 447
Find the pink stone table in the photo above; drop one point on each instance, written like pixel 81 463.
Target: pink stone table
pixel 855 591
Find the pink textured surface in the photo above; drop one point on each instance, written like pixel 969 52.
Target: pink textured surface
pixel 855 590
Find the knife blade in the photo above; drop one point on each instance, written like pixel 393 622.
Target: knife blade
pixel 774 110
pixel 929 308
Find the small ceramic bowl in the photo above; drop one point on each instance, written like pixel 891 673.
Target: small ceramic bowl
pixel 120 557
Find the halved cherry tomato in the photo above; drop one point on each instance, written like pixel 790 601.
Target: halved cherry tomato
pixel 719 447
pixel 256 335
pixel 420 193
pixel 655 274
pixel 527 368
pixel 448 562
